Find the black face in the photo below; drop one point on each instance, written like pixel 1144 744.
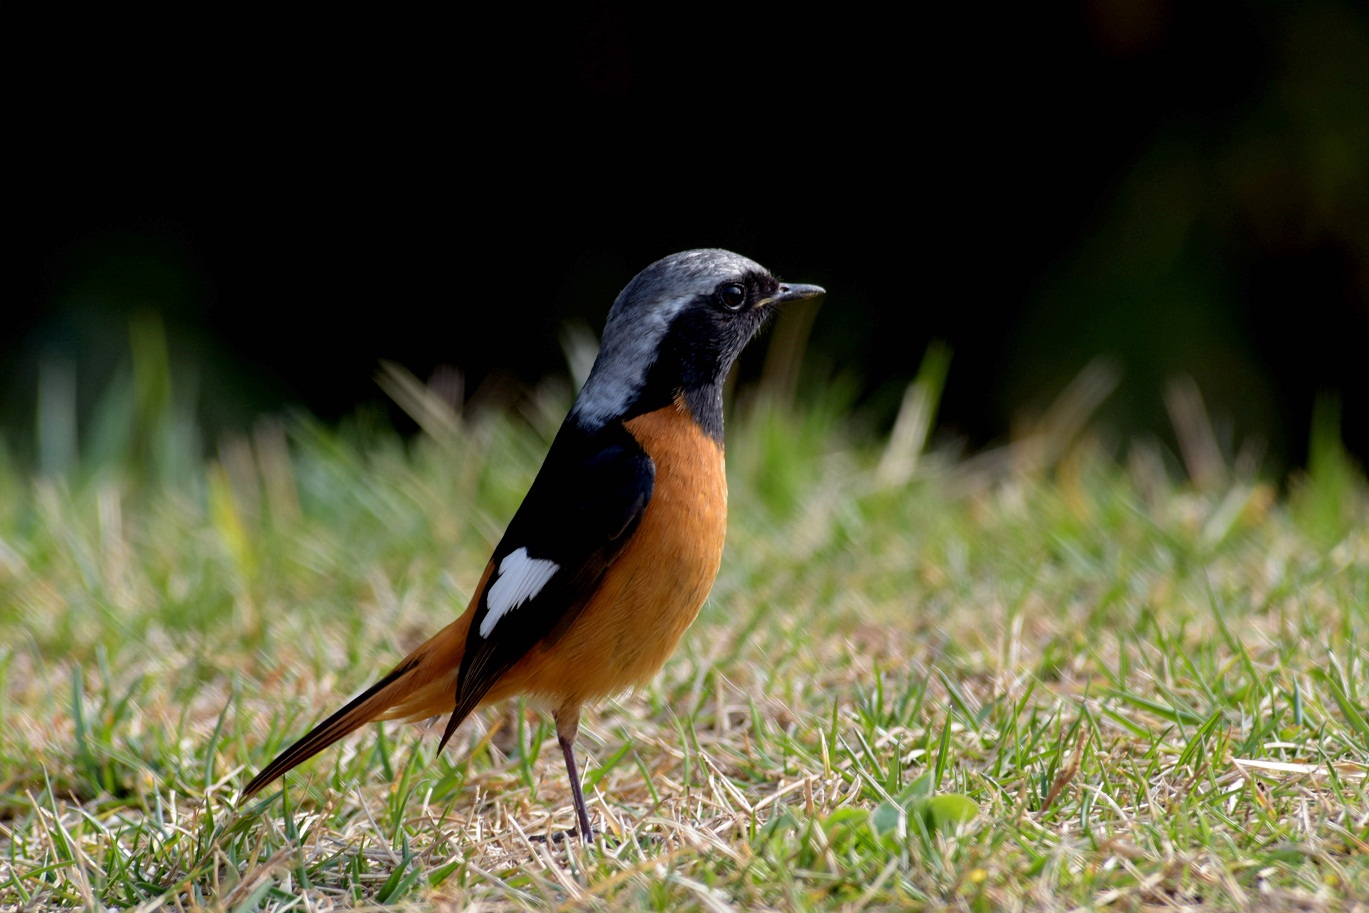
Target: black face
pixel 702 343
pixel 708 335
pixel 744 293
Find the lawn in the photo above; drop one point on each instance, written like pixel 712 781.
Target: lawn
pixel 1074 672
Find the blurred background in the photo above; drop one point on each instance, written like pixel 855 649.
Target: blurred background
pixel 288 197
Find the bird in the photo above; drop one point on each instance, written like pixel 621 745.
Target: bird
pixel 619 539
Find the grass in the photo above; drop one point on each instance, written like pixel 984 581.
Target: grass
pixel 1058 676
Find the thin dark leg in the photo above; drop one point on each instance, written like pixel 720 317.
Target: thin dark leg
pixel 568 749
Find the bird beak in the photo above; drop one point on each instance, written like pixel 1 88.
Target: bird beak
pixel 792 291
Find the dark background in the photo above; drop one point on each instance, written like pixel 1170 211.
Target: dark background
pixel 1183 188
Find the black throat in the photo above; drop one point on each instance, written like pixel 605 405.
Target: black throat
pixel 703 400
pixel 693 359
pixel 691 365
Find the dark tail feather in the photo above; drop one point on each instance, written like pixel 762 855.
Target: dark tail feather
pixel 367 706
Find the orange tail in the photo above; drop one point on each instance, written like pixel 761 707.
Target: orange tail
pixel 422 685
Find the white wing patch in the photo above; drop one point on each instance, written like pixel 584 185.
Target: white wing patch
pixel 520 579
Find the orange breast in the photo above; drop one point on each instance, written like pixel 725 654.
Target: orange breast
pixel 653 592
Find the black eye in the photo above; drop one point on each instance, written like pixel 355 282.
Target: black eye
pixel 732 296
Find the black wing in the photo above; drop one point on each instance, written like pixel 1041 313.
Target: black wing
pixel 581 511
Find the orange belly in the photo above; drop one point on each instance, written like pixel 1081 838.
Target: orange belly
pixel 654 590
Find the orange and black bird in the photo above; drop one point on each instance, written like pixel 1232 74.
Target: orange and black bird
pixel 618 540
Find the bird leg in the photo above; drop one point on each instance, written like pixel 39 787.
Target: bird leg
pixel 567 727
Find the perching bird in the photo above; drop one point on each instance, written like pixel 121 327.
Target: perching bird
pixel 618 541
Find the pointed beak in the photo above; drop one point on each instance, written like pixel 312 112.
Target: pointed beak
pixel 793 291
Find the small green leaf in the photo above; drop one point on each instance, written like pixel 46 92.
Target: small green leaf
pixel 886 818
pixel 920 787
pixel 948 811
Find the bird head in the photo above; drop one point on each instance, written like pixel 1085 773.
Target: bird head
pixel 677 327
